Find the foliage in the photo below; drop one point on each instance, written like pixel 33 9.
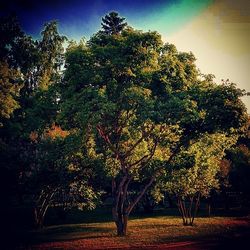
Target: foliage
pixel 10 76
pixel 10 89
pixel 57 175
pixel 193 173
pixel 113 24
pixel 37 164
pixel 143 103
pixel 10 35
pixel 239 158
pixel 126 110
pixel 195 170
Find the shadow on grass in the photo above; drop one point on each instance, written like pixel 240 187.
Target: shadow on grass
pixel 66 229
pixel 75 216
pixel 71 229
pixel 64 233
pixel 74 232
pixel 103 214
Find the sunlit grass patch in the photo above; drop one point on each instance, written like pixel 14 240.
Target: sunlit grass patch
pixel 141 232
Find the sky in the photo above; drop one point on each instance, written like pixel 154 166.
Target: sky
pixel 216 31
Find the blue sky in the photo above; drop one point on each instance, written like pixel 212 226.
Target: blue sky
pixel 82 18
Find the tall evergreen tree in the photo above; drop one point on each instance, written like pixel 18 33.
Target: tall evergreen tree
pixel 113 24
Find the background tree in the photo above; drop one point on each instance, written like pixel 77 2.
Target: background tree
pixel 10 75
pixel 239 158
pixel 24 64
pixel 10 33
pixel 113 24
pixel 57 174
pixel 10 85
pixel 28 67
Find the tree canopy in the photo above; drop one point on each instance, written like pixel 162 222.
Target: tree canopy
pixel 125 109
pixel 142 103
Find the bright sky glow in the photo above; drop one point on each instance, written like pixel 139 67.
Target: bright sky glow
pixel 220 39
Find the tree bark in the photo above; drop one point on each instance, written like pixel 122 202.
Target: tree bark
pixel 188 211
pixel 41 209
pixel 119 212
pixel 121 207
pixel 121 224
pixel 120 217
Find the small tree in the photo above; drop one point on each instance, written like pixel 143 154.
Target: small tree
pixel 59 174
pixel 194 173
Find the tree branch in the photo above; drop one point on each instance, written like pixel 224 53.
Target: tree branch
pixel 131 206
pixel 107 140
pixel 144 136
pixel 144 157
pixel 125 189
pixel 118 192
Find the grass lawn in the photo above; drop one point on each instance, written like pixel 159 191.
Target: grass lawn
pixel 149 232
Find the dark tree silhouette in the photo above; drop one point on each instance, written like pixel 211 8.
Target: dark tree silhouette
pixel 113 24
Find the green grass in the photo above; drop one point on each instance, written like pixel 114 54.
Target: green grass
pixel 141 232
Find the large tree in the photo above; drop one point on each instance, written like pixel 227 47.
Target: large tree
pixel 141 102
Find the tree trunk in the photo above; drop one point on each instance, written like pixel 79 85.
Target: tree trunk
pixel 121 206
pixel 119 212
pixel 121 225
pixel 39 214
pixel 189 210
pixel 120 217
pixel 41 208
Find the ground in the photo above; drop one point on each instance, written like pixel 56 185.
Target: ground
pixel 156 232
